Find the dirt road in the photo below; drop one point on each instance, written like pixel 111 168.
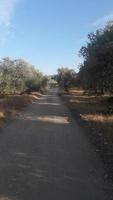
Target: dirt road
pixel 45 155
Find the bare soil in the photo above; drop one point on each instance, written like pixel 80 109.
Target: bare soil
pixel 94 114
pixel 45 154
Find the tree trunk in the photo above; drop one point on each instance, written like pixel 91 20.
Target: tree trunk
pixel 102 91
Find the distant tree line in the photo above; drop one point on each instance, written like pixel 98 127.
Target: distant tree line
pixel 18 76
pixel 66 78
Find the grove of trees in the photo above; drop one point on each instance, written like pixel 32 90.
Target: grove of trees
pixel 18 76
pixel 96 73
pixel 66 77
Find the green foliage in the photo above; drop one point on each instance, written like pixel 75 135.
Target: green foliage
pixel 96 73
pixel 66 78
pixel 18 76
pixel 52 82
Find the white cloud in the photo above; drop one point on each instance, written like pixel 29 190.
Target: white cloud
pixel 7 8
pixel 103 20
pixel 6 11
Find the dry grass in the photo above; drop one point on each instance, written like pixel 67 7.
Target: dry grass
pixel 10 105
pixel 98 118
pixel 94 109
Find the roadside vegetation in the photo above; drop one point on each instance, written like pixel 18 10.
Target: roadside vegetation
pixel 91 89
pixel 20 84
pixel 96 72
pixel 66 78
pixel 89 92
pixel 18 76
pixel 94 109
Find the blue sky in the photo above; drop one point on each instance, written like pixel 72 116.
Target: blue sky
pixel 49 33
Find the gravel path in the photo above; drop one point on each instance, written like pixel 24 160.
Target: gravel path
pixel 45 155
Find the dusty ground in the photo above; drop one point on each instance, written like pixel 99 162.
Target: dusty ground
pixel 11 104
pixel 45 155
pixel 95 115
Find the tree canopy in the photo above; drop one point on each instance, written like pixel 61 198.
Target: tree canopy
pixel 19 76
pixel 96 72
pixel 66 77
